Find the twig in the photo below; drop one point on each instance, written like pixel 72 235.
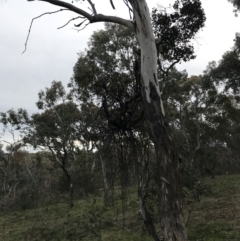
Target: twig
pixel 82 27
pixel 129 8
pixel 111 1
pixel 93 7
pixel 69 22
pixel 29 31
pixel 79 25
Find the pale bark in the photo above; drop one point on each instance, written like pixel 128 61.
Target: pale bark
pixel 104 173
pixel 170 211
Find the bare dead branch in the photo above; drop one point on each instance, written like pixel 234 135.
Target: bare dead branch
pixel 69 22
pixel 92 19
pixel 93 7
pixel 29 31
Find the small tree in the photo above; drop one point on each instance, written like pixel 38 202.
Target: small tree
pixel 54 129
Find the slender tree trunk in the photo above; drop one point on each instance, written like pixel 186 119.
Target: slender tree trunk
pixel 68 176
pixel 71 190
pixel 105 181
pixel 170 211
pixel 106 188
pixel 71 195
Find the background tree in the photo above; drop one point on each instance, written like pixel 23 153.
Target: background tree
pixel 226 73
pixel 53 129
pixel 19 180
pixel 225 76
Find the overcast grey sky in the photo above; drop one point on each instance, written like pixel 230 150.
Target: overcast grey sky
pixel 51 53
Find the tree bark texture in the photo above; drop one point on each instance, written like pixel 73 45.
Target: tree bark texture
pixel 170 211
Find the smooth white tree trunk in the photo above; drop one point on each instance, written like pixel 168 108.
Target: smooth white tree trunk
pixel 169 190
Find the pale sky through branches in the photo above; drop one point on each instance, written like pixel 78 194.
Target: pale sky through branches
pixel 51 53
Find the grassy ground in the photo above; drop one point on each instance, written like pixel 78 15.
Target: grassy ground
pixel 215 218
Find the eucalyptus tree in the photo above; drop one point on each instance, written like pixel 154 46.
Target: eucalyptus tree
pixel 225 133
pixel 225 76
pixel 226 73
pixel 52 129
pixel 202 117
pixel 140 25
pixel 55 128
pixel 185 101
pixel 17 169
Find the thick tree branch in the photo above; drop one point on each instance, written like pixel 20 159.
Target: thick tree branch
pixel 92 19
